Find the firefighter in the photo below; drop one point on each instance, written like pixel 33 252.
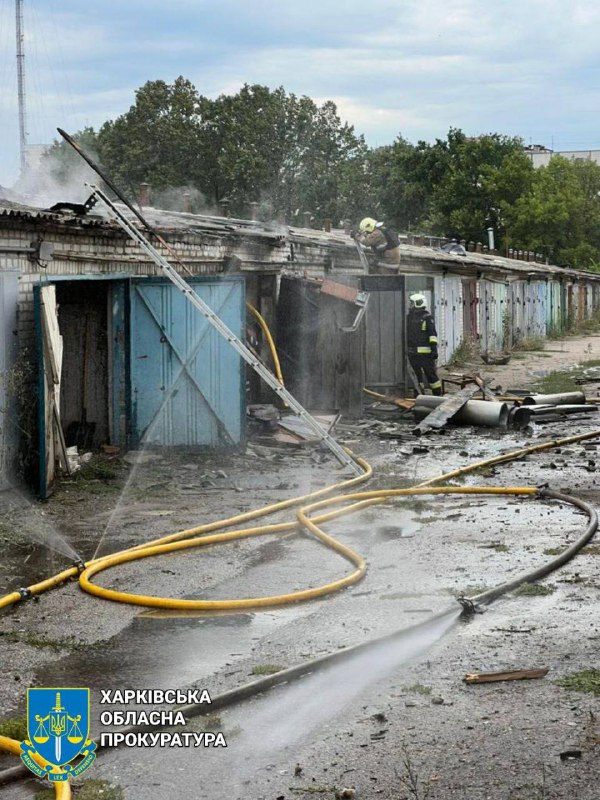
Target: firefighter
pixel 422 343
pixel 383 241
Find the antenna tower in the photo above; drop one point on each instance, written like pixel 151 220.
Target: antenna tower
pixel 21 82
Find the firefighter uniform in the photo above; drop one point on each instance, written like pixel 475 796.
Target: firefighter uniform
pixel 422 344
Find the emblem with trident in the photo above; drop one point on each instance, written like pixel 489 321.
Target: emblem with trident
pixel 57 721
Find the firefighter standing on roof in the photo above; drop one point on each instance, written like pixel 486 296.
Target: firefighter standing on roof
pixel 383 241
pixel 422 343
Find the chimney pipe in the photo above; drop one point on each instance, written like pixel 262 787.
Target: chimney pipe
pixel 187 202
pixel 144 194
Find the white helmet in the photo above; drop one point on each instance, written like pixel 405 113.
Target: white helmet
pixel 418 300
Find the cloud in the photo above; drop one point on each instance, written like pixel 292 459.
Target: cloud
pixel 417 66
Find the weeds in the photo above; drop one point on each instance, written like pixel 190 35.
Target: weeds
pixel 14 728
pixel 557 382
pixel 499 547
pixel 534 589
pixel 418 688
pixel 35 640
pixel 410 778
pixel 88 790
pixel 530 343
pixel 467 350
pixel 586 680
pixel 266 669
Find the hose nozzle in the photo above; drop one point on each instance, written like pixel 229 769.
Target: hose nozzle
pixel 80 564
pixel 469 607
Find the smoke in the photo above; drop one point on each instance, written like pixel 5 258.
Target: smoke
pixel 52 178
pixel 181 198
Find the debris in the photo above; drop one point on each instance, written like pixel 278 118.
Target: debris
pixel 513 675
pixel 568 755
pixel 297 769
pixel 496 358
pixel 344 794
pixel 448 407
pixel 298 428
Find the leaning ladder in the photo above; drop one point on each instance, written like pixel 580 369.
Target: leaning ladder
pixel 218 324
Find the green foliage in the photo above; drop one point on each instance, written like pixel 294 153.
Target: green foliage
pixel 266 669
pixel 534 589
pixel 290 156
pixel 587 680
pixel 14 728
pixel 87 790
pixel 560 215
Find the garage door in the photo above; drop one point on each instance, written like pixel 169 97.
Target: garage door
pixel 187 383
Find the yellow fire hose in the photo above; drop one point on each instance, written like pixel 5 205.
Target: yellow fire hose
pixel 62 789
pixel 265 329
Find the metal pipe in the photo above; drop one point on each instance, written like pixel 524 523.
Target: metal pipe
pixel 474 412
pixel 563 398
pixel 558 410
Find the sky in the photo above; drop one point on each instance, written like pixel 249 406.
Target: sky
pixel 528 68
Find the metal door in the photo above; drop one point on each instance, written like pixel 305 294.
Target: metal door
pixel 187 383
pixel 385 332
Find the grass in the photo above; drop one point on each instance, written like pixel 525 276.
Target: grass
pixel 591 550
pixel 534 589
pixel 418 688
pixel 586 680
pixel 556 382
pixel 35 640
pixel 499 547
pixel 530 343
pixel 467 350
pixel 266 669
pixel 87 790
pixel 554 551
pixel 469 591
pixel 14 728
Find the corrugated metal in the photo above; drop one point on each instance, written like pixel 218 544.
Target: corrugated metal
pixel 494 314
pixel 8 325
pixel 448 294
pixel 187 382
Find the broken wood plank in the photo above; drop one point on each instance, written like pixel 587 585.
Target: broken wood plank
pixel 446 410
pixel 512 675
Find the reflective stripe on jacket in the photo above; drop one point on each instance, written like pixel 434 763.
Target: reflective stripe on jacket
pixel 421 335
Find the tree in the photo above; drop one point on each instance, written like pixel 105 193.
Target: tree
pixel 157 140
pixel 474 182
pixel 560 215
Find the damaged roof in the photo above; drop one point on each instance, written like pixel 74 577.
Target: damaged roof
pixel 414 258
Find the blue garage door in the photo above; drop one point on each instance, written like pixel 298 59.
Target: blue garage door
pixel 187 382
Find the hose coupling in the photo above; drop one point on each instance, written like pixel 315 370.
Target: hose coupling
pixel 80 564
pixel 469 607
pixel 25 593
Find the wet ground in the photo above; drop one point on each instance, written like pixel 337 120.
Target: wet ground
pixel 400 723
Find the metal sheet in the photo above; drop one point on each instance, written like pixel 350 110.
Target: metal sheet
pixel 187 383
pixel 8 342
pixel 384 338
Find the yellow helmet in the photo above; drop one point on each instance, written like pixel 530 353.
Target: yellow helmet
pixel 367 225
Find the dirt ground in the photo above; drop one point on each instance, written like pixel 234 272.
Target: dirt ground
pixel 398 723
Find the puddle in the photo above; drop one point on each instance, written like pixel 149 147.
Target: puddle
pixel 159 652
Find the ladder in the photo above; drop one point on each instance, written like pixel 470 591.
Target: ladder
pixel 190 295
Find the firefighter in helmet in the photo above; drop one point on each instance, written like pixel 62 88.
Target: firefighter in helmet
pixel 422 343
pixel 381 239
